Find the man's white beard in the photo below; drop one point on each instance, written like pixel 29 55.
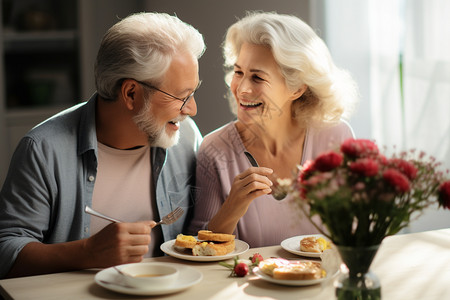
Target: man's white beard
pixel 157 136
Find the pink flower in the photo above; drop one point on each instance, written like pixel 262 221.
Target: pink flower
pixel 364 166
pixel 404 166
pixel 444 194
pixel 397 180
pixel 359 148
pixel 318 179
pixel 359 186
pixel 328 161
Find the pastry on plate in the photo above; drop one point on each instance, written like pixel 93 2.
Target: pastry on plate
pixel 314 244
pixel 185 241
pixel 207 235
pixel 283 269
pixel 213 248
pixel 208 243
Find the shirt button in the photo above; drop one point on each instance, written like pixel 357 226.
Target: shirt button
pixel 91 178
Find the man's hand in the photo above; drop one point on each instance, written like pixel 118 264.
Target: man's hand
pixel 117 243
pixel 120 243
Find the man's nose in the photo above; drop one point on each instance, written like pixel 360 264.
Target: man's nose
pixel 190 108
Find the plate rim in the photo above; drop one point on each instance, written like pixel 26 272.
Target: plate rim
pixel 166 248
pixel 151 292
pixel 283 245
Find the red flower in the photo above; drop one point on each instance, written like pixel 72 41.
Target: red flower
pixel 306 171
pixel 405 167
pixel 303 192
pixel 397 180
pixel 359 148
pixel 328 161
pixel 382 159
pixel 365 166
pixel 444 194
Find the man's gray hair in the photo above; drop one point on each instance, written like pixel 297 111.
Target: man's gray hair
pixel 141 47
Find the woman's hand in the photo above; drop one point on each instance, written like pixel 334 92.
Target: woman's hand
pixel 247 186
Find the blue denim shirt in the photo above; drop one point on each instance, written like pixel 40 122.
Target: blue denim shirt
pixel 52 175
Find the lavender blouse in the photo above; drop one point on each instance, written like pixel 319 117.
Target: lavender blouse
pixel 268 221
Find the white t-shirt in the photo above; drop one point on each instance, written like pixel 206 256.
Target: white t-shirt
pixel 124 190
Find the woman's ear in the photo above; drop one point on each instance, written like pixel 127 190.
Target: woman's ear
pixel 128 93
pixel 300 92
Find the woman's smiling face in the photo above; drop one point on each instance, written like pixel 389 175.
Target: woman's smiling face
pixel 259 87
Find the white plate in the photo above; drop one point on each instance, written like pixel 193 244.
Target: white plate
pixel 293 245
pixel 187 278
pixel 169 248
pixel 257 271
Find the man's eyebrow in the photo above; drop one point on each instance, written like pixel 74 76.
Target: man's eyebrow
pixel 190 90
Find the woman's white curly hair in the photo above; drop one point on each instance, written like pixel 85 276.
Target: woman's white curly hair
pixel 303 58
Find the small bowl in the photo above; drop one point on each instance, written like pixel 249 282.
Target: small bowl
pixel 144 275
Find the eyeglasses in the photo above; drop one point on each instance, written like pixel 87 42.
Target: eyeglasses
pixel 184 100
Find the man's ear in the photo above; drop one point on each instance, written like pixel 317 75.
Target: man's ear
pixel 300 92
pixel 128 92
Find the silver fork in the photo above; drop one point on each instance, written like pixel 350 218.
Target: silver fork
pixel 168 219
pixel 95 213
pixel 171 217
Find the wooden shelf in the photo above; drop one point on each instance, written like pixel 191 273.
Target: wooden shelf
pixel 19 115
pixel 33 41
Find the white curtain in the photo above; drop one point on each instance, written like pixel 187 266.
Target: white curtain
pixel 410 75
pixel 399 53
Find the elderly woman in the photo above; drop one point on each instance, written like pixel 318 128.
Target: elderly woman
pixel 290 100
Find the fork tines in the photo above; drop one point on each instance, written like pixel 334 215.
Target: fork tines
pixel 173 216
pixel 176 213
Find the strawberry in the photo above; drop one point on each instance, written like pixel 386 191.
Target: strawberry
pixel 256 258
pixel 241 269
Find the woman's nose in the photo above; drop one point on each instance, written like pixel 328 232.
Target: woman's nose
pixel 244 87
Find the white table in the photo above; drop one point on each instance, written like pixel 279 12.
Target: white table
pixel 410 266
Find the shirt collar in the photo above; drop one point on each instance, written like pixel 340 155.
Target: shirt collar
pixel 87 135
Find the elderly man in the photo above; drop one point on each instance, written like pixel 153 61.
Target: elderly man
pixel 128 152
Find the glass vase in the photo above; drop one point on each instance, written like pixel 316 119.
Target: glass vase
pixel 358 283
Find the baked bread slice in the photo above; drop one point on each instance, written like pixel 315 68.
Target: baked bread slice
pixel 301 271
pixel 208 243
pixel 185 241
pixel 314 244
pixel 213 248
pixel 207 235
pixel 291 270
pixel 270 264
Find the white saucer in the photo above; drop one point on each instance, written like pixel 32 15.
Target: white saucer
pixel 187 278
pixel 170 249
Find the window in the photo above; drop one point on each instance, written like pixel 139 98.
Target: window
pixel 399 53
